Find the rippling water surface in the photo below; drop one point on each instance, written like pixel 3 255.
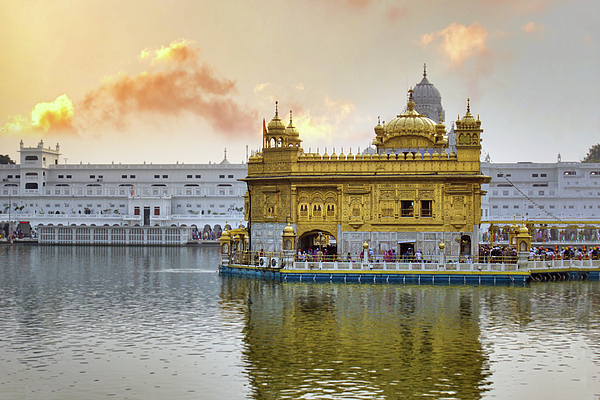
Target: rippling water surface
pixel 128 322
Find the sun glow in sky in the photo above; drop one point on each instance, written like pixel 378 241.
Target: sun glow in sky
pixel 181 81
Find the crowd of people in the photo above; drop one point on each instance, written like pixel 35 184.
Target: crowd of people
pixel 327 254
pixel 507 254
pixel 498 254
pixel 206 235
pixel 11 235
pixel 487 254
pixel 564 253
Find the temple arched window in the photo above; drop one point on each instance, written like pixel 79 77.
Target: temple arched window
pixel 331 210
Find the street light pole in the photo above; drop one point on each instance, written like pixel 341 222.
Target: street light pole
pixel 9 211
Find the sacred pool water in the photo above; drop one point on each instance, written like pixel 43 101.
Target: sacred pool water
pixel 151 322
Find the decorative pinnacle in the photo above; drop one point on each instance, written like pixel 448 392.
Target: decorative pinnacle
pixel 411 103
pixel 424 70
pixel 468 105
pixel 290 116
pixel 277 109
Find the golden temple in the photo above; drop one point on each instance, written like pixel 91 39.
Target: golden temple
pixel 414 193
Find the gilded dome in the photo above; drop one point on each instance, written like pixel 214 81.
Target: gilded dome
pixel 225 234
pixel 288 230
pixel 410 122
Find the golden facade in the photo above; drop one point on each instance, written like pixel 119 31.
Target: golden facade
pixel 412 192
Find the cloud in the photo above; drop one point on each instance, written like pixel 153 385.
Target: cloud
pixel 458 42
pixel 55 117
pixel 322 121
pixel 395 13
pixel 177 52
pixel 260 87
pixel 176 83
pixel 531 27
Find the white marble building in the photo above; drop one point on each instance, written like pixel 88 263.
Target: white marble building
pixel 45 189
pixel 542 191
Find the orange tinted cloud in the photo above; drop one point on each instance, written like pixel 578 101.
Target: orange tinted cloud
pixel 181 84
pixel 323 120
pixel 176 83
pixel 532 27
pixel 177 52
pixel 55 117
pixel 395 13
pixel 458 42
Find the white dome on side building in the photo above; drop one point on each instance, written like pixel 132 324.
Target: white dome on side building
pixel 428 100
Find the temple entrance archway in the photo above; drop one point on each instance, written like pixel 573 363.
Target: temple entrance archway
pixel 317 239
pixel 465 245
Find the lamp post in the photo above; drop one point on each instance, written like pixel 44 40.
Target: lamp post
pixel 9 212
pixel 442 246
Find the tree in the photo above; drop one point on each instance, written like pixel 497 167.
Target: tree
pixel 593 155
pixel 6 159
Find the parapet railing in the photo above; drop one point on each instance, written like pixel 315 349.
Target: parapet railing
pixel 269 260
pixel 540 264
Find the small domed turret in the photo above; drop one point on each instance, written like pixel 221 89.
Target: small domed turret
pixel 291 129
pixel 379 129
pixel 225 234
pixel 276 124
pixel 440 131
pixel 523 229
pixel 468 120
pixel 289 229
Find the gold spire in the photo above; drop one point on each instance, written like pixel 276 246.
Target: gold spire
pixel 291 129
pixel 411 103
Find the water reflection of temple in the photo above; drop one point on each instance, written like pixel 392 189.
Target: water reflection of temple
pixel 364 341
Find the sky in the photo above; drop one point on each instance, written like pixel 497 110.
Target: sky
pixel 181 81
